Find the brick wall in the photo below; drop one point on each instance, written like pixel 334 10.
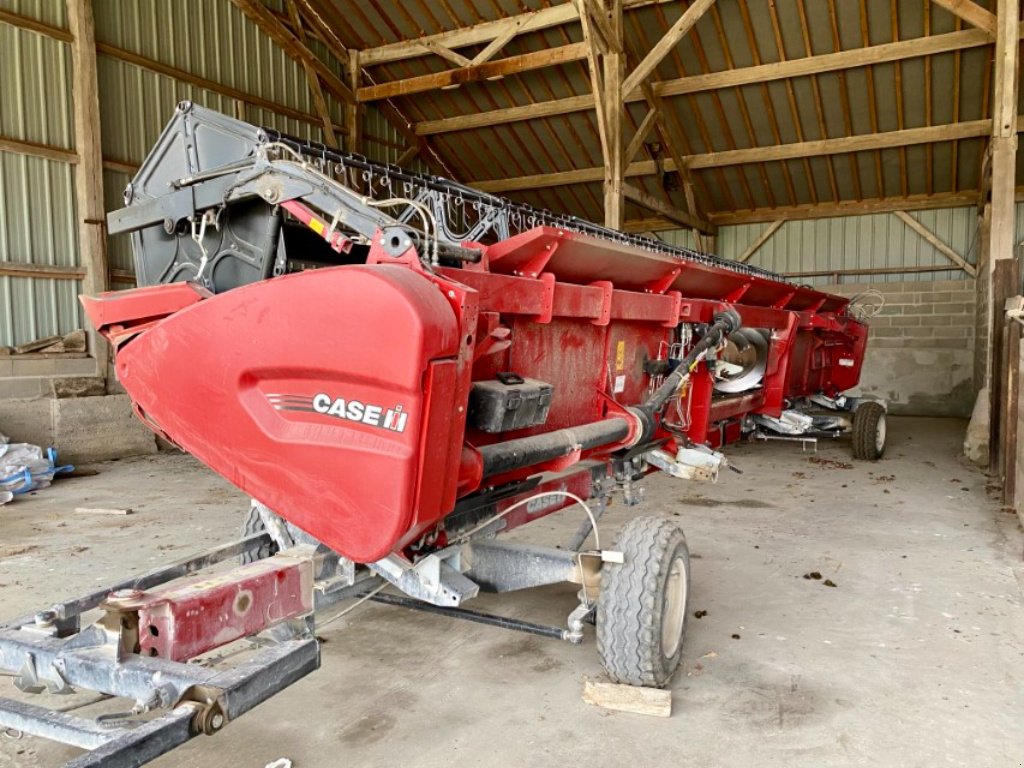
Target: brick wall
pixel 921 347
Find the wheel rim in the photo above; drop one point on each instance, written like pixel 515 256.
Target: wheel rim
pixel 674 613
pixel 880 434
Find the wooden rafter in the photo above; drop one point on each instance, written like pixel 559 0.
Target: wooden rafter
pixel 315 89
pixel 972 13
pixel 936 242
pixel 290 44
pixel 675 33
pixel 741 103
pixel 484 32
pixel 955 146
pixel 766 99
pixel 724 124
pixel 844 101
pixel 642 132
pixel 671 140
pixel 584 198
pixel 929 151
pixel 474 72
pixel 760 240
pixel 837 146
pixel 92 239
pixel 898 87
pixel 780 47
pixel 729 78
pixel 354 111
pixel 869 76
pixel 651 203
pixel 819 107
pixel 510 30
pixel 602 36
pixel 595 69
pixel 809 211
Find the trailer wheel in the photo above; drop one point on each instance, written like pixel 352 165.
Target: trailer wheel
pixel 251 526
pixel 869 431
pixel 641 613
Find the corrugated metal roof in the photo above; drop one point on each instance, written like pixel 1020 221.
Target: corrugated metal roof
pixel 733 34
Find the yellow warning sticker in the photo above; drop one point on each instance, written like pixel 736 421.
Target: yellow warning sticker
pixel 620 356
pixel 317 226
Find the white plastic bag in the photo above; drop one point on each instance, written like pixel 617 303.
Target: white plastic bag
pixel 25 467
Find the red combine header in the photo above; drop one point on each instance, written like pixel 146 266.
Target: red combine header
pixel 398 368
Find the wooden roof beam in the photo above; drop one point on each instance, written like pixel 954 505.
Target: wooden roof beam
pixel 825 210
pixel 295 48
pixel 315 90
pixel 483 33
pixel 473 72
pixel 972 13
pixel 651 203
pixel 818 148
pixel 642 132
pixel 808 65
pixel 669 40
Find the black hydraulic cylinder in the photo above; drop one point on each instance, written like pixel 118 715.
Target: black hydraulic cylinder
pixel 527 451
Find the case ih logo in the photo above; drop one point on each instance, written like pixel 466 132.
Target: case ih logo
pixel 391 419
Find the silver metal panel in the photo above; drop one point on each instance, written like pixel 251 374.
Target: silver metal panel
pixel 46 11
pixel 209 38
pixel 226 47
pixel 37 208
pixel 857 242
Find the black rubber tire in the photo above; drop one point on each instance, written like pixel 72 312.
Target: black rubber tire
pixel 868 419
pixel 632 605
pixel 252 525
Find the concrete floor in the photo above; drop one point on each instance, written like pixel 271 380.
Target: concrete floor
pixel 915 658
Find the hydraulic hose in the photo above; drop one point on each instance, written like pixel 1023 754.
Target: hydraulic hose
pixel 725 322
pixel 510 455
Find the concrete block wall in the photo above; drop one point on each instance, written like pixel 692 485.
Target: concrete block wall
pixel 82 429
pixel 920 355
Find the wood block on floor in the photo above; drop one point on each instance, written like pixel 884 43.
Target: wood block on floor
pixel 628 698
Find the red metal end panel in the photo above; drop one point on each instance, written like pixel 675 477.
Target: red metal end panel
pixel 116 314
pixel 307 392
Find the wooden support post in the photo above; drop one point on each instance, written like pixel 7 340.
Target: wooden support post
pixel 354 110
pixel 1001 278
pixel 651 203
pixel 89 208
pixel 1011 408
pixel 1005 277
pixel 354 117
pixel 601 23
pixel 614 167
